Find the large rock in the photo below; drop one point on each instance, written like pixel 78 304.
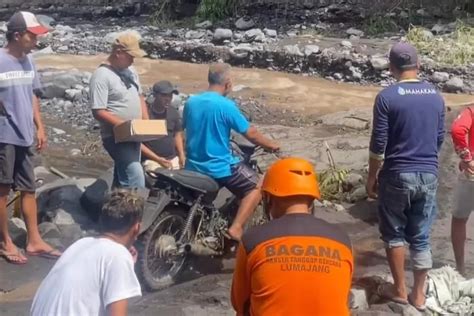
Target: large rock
pixel 221 35
pixel 270 32
pixel 353 180
pixel 254 35
pixel 440 77
pixel 47 21
pixel 195 34
pixel 244 24
pixel 293 50
pixel 355 32
pixel 56 83
pixel 379 62
pixel 59 201
pixel 62 218
pixel 73 94
pixel 72 232
pixel 454 84
pixel 358 299
pixel 311 49
pixel 94 195
pixel 49 230
pixel 17 230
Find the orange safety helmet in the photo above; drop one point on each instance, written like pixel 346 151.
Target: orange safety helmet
pixel 291 176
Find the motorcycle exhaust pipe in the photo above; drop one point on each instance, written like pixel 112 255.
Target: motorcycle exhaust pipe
pixel 199 249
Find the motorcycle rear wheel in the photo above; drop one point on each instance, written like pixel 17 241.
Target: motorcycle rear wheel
pixel 156 271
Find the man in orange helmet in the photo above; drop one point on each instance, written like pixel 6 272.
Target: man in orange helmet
pixel 296 264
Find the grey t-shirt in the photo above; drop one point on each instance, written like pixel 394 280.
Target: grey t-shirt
pixel 109 92
pixel 18 79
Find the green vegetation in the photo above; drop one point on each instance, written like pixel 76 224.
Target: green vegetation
pixel 456 48
pixel 216 10
pixel 378 24
pixel 332 179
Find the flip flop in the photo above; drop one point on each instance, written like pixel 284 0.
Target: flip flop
pixel 385 291
pixel 13 258
pixel 420 308
pixel 45 254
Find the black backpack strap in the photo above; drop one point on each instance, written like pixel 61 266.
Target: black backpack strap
pixel 125 79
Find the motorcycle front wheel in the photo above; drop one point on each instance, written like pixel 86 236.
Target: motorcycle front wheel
pixel 159 266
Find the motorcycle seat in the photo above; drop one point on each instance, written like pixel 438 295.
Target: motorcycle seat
pixel 189 179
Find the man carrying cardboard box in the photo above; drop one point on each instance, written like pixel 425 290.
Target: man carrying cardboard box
pixel 116 97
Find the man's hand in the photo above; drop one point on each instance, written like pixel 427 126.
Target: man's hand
pixel 182 161
pixel 273 146
pixel 41 139
pixel 165 163
pixel 371 187
pixel 467 166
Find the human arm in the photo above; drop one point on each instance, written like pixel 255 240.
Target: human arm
pixel 378 144
pixel 119 283
pixel 149 154
pixel 257 138
pixel 240 291
pixel 240 124
pixel 460 130
pixel 179 143
pixel 145 115
pixel 118 308
pixel 441 129
pixel 41 138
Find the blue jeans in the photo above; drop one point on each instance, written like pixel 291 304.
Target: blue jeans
pixel 128 171
pixel 407 209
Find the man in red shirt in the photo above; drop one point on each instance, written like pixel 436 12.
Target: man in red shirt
pixel 462 132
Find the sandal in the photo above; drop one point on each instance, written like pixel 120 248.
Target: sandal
pixel 13 258
pixel 52 254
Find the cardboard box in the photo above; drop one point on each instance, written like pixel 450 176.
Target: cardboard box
pixel 140 130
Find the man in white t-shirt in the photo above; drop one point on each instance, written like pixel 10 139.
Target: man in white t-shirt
pixel 95 275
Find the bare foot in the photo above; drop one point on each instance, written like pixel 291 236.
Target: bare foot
pixel 389 292
pixel 417 301
pixel 12 254
pixel 235 232
pixel 42 247
pixel 461 270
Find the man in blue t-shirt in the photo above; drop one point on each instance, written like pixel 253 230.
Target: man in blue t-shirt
pixel 19 115
pixel 408 131
pixel 208 119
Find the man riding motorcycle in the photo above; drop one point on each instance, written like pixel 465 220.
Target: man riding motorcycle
pixel 208 119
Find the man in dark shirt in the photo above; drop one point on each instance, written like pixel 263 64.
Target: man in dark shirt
pixel 408 131
pixel 167 151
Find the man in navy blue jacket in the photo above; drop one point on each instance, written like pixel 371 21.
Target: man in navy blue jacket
pixel 408 131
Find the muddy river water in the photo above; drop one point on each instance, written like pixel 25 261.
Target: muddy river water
pixel 307 94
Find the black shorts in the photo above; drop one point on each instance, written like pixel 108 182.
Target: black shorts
pixel 16 167
pixel 242 181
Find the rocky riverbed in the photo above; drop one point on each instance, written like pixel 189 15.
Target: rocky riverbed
pixel 327 42
pixel 300 110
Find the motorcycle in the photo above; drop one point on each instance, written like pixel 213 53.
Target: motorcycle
pixel 186 215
